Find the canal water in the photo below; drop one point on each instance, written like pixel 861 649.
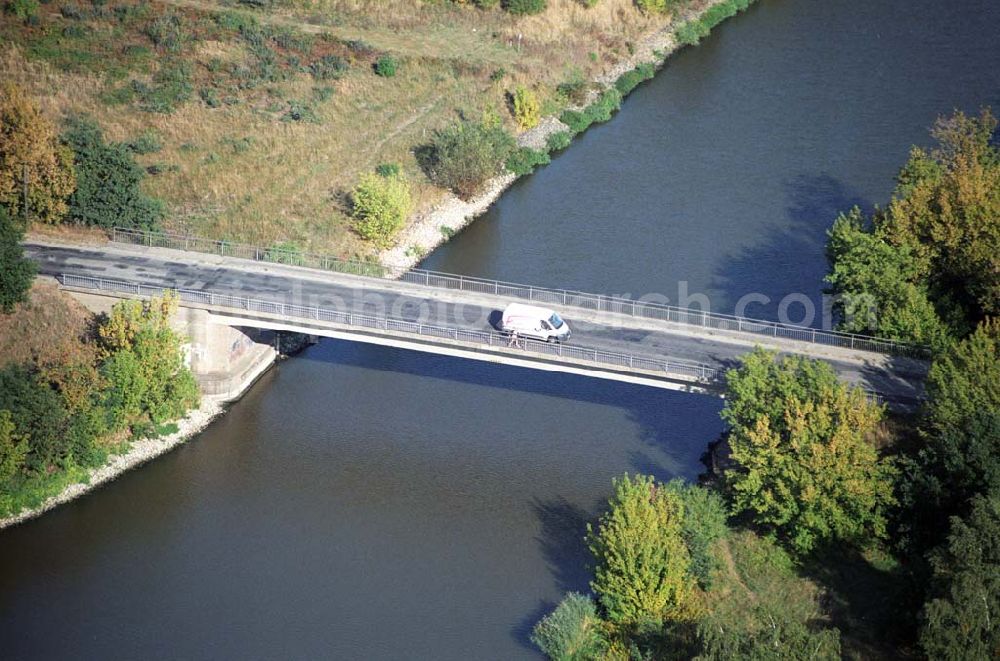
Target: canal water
pixel 363 502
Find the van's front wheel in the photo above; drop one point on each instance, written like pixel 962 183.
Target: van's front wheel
pixel 551 339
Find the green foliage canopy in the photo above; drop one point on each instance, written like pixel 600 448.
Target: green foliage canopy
pixel 16 271
pixel 642 561
pixel 928 265
pixel 465 156
pixel 960 619
pixel 959 455
pixel 805 467
pixel 108 192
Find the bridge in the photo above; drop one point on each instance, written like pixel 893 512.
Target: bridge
pixel 238 286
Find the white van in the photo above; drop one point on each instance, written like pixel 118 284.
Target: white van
pixel 531 321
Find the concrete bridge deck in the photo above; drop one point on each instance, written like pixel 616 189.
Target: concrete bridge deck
pixel 897 379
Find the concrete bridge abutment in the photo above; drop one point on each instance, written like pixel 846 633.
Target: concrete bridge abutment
pixel 225 359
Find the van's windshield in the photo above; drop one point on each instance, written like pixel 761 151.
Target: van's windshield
pixel 556 321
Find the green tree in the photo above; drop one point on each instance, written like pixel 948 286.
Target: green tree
pixel 16 271
pixel 465 156
pixel 381 205
pixel 948 206
pixel 959 455
pixel 572 632
pixel 642 561
pixel 879 287
pixel 144 364
pixel 127 388
pixel 29 146
pixel 13 449
pixel 800 440
pixel 38 415
pixel 928 264
pixel 108 192
pixel 960 618
pixel 703 525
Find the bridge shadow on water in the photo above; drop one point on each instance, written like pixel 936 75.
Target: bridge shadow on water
pixel 664 418
pixel 790 255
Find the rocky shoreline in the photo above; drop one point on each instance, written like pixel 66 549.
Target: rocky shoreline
pixel 139 453
pixel 436 226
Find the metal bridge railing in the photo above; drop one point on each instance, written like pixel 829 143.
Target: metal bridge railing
pixel 675 368
pixel 560 297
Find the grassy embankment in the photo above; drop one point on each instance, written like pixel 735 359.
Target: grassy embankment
pixel 255 123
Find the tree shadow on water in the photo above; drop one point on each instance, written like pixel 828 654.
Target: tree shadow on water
pixel 561 538
pixel 789 257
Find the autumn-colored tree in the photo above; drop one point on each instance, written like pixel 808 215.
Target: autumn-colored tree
pixel 805 467
pixel 30 147
pixel 643 564
pixel 949 209
pixel 130 317
pixel 144 365
pixel 928 266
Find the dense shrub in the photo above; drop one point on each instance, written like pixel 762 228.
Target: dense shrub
pixel 329 67
pixel 600 110
pixel 692 32
pixel 23 10
pixel 108 192
pixel 38 415
pixel 387 169
pixel 575 89
pixel 605 106
pixel 17 272
pixel 558 140
pixel 386 66
pixel 148 142
pixel 524 160
pixel 465 156
pixel 29 145
pixel 527 110
pixel 629 80
pixel 381 205
pixel 572 632
pixel 168 32
pixel 524 7
pixel 577 121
